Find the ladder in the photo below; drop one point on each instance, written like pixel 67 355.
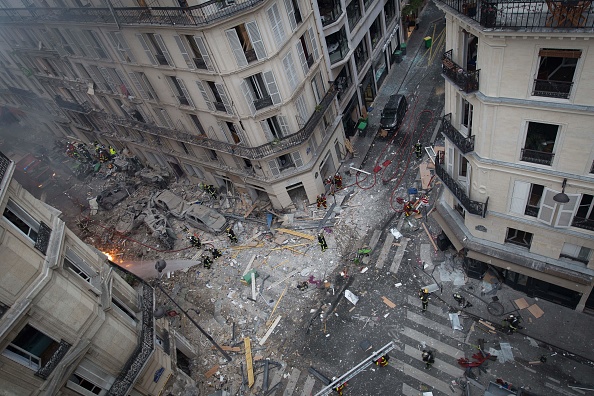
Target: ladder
pixel 357 369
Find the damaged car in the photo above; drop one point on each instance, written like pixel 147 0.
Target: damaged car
pixel 205 219
pixel 112 196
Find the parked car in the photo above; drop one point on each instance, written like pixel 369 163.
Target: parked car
pixel 206 219
pixel 393 113
pixel 112 196
pixel 170 203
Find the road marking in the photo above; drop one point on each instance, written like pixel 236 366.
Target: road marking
pixel 432 343
pixel 375 238
pixel 439 364
pixel 425 255
pixel 434 309
pixel 399 255
pixel 558 389
pixel 292 382
pixel 385 250
pixel 431 324
pixel 308 386
pixel 408 390
pixel 423 376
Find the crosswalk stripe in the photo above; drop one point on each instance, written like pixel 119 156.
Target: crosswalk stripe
pixel 295 373
pixel 416 301
pixel 375 239
pixel 385 250
pixel 399 255
pixel 408 390
pixel 425 254
pixel 431 324
pixel 422 375
pixel 558 389
pixel 308 386
pixel 439 364
pixel 432 342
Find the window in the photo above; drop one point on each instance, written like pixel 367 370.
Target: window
pixel 155 49
pixel 87 387
pixel 290 70
pixel 317 85
pixel 163 117
pixel 534 197
pixel 194 171
pixel 556 70
pixel 221 101
pixel 94 45
pixel 390 12
pixel 540 143
pixel 246 43
pixel 576 253
pixel 375 31
pixel 275 127
pixel 556 214
pixel 294 13
pixel 197 51
pixel 353 13
pixel 518 237
pixel 197 123
pixel 89 379
pixel 260 91
pixel 31 348
pixel 276 23
pixel 121 47
pixel 21 220
pixel 584 217
pixel 143 85
pixel 283 162
pixel 123 309
pixel 361 55
pixel 179 91
pixel 307 48
pixel 76 264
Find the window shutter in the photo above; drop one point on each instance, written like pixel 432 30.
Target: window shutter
pixel 114 43
pixel 290 70
pixel 185 91
pixel 297 159
pixel 256 39
pixel 291 13
pixel 162 120
pixel 224 98
pixel 249 98
pixel 86 39
pixel 284 125
pixel 314 44
pixel 570 250
pixel 147 50
pixel 124 46
pixel 225 132
pixel 124 81
pixel 267 132
pixel 94 72
pixel 450 161
pixel 205 95
pixel 276 23
pixel 302 109
pixel 274 167
pixel 272 87
pixel 167 119
pixel 148 86
pixel 519 197
pixel 302 58
pixel 109 80
pixel 236 47
pixel 204 53
pixel 547 206
pixel 78 47
pixel 164 50
pixel 184 52
pixel 567 211
pixel 138 86
pixel 98 45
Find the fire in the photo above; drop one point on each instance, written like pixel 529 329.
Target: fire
pixel 109 256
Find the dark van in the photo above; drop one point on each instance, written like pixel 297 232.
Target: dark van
pixel 393 113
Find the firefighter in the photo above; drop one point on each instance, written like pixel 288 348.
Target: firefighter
pixel 338 182
pixel 428 358
pixel 302 286
pixel 409 209
pixel 418 151
pixel 461 300
pixel 322 242
pixel 382 361
pixel 195 241
pixel 216 253
pixel 97 147
pixel 321 201
pixel 70 150
pixel 338 389
pixel 112 151
pixel 206 261
pixel 231 235
pixel 513 323
pixel 424 296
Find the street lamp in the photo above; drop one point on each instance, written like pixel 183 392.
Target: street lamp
pixel 562 197
pixel 159 312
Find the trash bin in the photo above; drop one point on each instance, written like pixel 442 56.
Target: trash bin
pixel 403 48
pixel 428 40
pixel 398 56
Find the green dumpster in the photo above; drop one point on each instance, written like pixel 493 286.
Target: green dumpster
pixel 403 48
pixel 428 41
pixel 247 278
pixel 398 56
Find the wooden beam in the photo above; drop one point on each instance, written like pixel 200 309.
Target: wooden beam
pixel 276 305
pixel 270 330
pixel 290 246
pixel 250 210
pixel 248 361
pixel 247 269
pixel 430 237
pixel 227 348
pixel 297 233
pixel 211 371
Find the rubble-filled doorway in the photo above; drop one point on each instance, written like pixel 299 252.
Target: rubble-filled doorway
pixel 183 362
pixel 177 169
pixel 297 194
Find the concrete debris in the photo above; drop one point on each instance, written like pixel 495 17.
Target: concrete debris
pixel 397 235
pixel 455 320
pixel 351 297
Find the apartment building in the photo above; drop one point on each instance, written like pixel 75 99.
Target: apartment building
pixel 518 160
pixel 70 322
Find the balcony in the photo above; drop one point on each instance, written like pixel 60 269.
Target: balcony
pixel 199 15
pixel 526 14
pixel 583 223
pixel 251 153
pixel 467 81
pixel 330 11
pixel 262 103
pixel 537 157
pixel 23 92
pixel 464 144
pixel 83 108
pixel 552 89
pixel 472 207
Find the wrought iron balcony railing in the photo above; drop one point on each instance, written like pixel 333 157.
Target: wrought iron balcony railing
pixel 552 89
pixel 468 81
pixel 4 164
pixel 581 222
pixel 83 108
pixel 464 144
pixel 220 106
pixel 537 157
pixel 54 360
pixel 199 15
pixel 251 153
pixel 531 210
pixel 144 349
pixel 23 92
pixel 526 14
pixel 262 103
pixel 200 63
pixel 472 207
